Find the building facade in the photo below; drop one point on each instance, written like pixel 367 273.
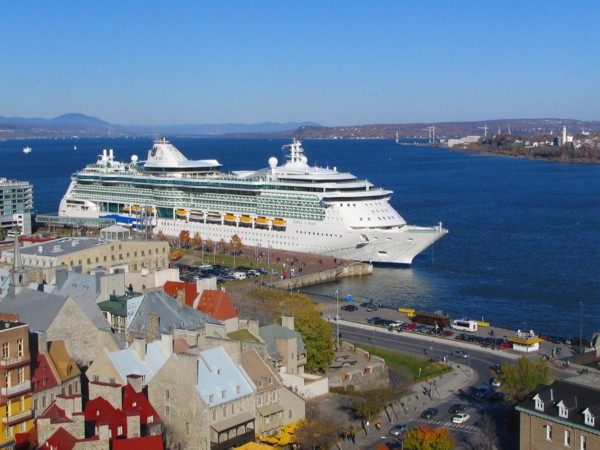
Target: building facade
pixel 16 412
pixel 16 206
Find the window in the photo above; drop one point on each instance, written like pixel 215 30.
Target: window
pixel 19 347
pixel 167 410
pixel 588 418
pixel 21 375
pixel 548 432
pixel 7 379
pixel 583 445
pixel 562 410
pixel 567 438
pixel 119 430
pixel 96 378
pixel 9 432
pixel 539 403
pixel 5 350
pixel 167 394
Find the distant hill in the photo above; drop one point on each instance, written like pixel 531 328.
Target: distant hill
pixel 72 124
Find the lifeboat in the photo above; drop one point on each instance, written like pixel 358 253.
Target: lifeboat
pixel 126 209
pixel 213 216
pixel 279 223
pixel 246 219
pixel 181 214
pixel 262 221
pixel 230 218
pixel 196 216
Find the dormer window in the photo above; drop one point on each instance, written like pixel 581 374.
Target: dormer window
pixel 539 403
pixel 588 418
pixel 563 411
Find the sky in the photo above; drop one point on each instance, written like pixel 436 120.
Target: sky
pixel 337 63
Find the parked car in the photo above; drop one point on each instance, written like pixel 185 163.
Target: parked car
pixel 429 413
pixel 456 408
pixel 483 392
pixel 497 396
pixel 373 319
pixel 461 418
pixel 495 382
pixel 349 308
pixel 408 326
pixel 399 429
pixel 497 368
pixel 446 333
pixel 459 353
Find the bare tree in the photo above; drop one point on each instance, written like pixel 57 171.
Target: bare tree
pixel 487 436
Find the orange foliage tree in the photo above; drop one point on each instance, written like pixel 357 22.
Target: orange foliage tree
pixel 426 437
pixel 184 238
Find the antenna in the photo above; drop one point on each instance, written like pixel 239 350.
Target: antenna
pixel 485 130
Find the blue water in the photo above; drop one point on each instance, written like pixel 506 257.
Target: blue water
pixel 523 247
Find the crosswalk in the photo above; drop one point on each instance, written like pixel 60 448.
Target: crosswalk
pixel 446 424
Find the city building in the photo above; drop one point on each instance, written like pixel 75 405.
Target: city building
pixel 565 414
pixel 16 207
pixel 206 401
pixel 91 254
pixel 16 414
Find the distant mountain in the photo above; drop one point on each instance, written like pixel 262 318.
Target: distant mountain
pixel 72 124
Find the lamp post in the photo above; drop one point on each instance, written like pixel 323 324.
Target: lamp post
pixel 337 317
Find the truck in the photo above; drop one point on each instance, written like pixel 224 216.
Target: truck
pixel 176 254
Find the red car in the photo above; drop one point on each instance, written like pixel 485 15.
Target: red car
pixel 409 326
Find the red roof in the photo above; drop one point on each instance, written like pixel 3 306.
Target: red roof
pixel 217 304
pixel 191 291
pixel 147 443
pixel 60 439
pixel 55 414
pixel 100 412
pixel 136 403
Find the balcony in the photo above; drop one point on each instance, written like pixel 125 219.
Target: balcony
pixel 17 418
pixel 17 389
pixel 20 360
pixel 236 441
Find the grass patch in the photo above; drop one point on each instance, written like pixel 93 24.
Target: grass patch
pixel 407 365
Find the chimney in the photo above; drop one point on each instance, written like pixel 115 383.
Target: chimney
pixel 181 297
pixel 166 344
pixel 288 322
pixel 42 342
pixel 136 382
pixel 552 395
pixel 152 323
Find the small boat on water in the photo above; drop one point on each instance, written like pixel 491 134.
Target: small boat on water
pixel 26 149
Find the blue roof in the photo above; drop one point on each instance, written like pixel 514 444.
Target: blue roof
pixel 127 362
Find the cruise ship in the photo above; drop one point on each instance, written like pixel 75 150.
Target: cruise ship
pixel 289 206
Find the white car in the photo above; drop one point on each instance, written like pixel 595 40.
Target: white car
pixel 461 418
pixel 459 353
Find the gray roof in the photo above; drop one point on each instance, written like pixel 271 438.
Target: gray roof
pixel 39 309
pixel 61 246
pixel 270 334
pixel 172 315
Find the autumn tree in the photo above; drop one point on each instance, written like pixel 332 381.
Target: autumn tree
pixel 222 246
pixel 236 244
pixel 521 378
pixel 184 238
pixel 197 240
pixel 426 437
pixel 316 433
pixel 161 236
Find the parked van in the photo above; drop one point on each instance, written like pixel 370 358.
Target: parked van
pixel 239 275
pixel 464 325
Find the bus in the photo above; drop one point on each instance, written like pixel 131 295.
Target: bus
pixel 465 325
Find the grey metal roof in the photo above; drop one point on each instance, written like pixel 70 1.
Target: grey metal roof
pixel 172 315
pixel 35 308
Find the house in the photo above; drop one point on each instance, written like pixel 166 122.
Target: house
pixel 15 394
pixel 140 358
pixel 158 313
pixel 62 318
pixel 113 413
pixel 276 405
pixel 204 398
pixel 54 373
pixel 565 414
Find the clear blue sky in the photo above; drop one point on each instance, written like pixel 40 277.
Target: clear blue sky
pixel 333 62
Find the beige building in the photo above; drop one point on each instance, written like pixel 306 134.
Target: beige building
pixel 91 254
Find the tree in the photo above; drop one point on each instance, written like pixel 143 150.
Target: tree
pixel 184 238
pixel 236 244
pixel 197 240
pixel 428 438
pixel 161 236
pixel 316 433
pixel 370 403
pixel 521 378
pixel 222 246
pixel 487 436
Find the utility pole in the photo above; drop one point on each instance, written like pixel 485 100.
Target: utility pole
pixel 580 325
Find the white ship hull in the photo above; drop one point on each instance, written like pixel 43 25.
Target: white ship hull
pixel 293 207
